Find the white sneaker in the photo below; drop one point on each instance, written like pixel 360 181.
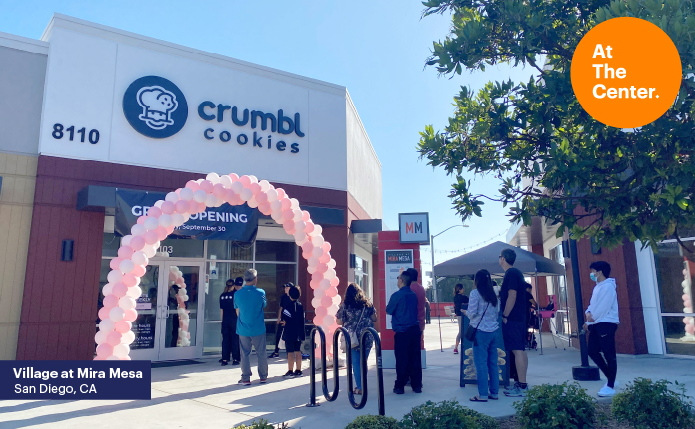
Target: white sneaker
pixel 606 392
pixel 616 385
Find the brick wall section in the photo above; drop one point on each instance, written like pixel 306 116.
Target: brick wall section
pixel 59 305
pixel 388 240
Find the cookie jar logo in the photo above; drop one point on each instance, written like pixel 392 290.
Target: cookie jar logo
pixel 155 107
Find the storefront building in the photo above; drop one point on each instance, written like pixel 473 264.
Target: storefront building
pixel 654 289
pixel 97 124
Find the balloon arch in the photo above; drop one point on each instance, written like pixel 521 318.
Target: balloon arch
pixel 118 313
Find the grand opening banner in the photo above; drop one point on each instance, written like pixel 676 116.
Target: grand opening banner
pixel 236 223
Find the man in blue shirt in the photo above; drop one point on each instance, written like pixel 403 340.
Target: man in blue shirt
pixel 249 303
pixel 403 310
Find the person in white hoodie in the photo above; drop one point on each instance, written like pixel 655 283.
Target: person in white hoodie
pixel 602 322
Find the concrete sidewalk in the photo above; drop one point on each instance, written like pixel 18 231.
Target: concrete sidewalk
pixel 206 395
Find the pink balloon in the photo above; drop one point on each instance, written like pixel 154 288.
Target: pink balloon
pixel 255 188
pixel 335 282
pixel 307 247
pixel 219 190
pixel 331 291
pixel 170 229
pixel 192 185
pixel 206 186
pixel 130 315
pixel 326 246
pixel 245 180
pixel 104 350
pixel 317 276
pixel 180 281
pixel 103 313
pixel 305 215
pixel 309 226
pixel 286 205
pixel 110 301
pixel 281 193
pixel 141 220
pixel 314 284
pixel 201 207
pixel 168 207
pixel 125 252
pixel 288 215
pixel 328 320
pixel 122 326
pixel 317 321
pixel 182 206
pixel 115 263
pixel 306 255
pixel 234 177
pixel 321 312
pixel 172 276
pixel 288 225
pixel 137 243
pixel 114 338
pixel 139 271
pixel 688 303
pixel 265 208
pixel 322 268
pixel 154 212
pixel 129 280
pixel 326 301
pixel 151 237
pixel 161 233
pixel 261 197
pixel 325 258
pixel 690 329
pixel 119 290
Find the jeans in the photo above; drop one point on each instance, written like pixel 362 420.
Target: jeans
pixel 230 342
pixel 258 343
pixel 602 339
pixel 406 348
pixel 357 365
pixel 485 359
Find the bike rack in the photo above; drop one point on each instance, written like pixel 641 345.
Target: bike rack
pixel 330 397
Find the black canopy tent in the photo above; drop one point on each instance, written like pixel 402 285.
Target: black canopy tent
pixel 529 263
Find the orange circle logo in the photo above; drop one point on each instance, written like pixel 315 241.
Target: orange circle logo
pixel 626 72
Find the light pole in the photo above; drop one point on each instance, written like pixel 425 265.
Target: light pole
pixel 434 283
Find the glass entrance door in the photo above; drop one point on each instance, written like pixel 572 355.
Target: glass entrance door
pixel 167 327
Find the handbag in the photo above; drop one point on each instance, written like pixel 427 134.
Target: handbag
pixel 354 339
pixel 471 331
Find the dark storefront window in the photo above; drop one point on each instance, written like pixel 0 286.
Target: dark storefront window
pixel 276 251
pixel 110 245
pixel 230 250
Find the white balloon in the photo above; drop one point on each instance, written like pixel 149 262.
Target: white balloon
pixel 237 187
pixel 186 194
pixel 121 350
pixel 319 293
pixel 100 337
pixel 213 177
pixel 294 204
pixel 126 266
pixel 219 202
pixel 172 197
pixel 139 258
pixel 173 269
pixel 116 314
pixel 128 338
pixel 333 310
pixel 277 216
pixel 252 203
pixel 165 220
pixel 106 290
pixel 265 185
pixel 313 261
pixel 311 269
pixel 318 240
pixel 150 251
pixel 316 252
pixel 151 223
pixel 226 181
pixel 199 196
pixel 330 274
pixel 299 225
pixel 325 284
pixel 317 231
pixel 114 276
pixel 138 229
pixel 297 215
pixel 126 302
pixel 186 216
pixel 107 325
pixel 125 241
pixel 272 196
pixel 246 194
pixel 113 358
pixel 276 206
pixel 331 263
pixel 300 237
pixel 316 302
pixel 177 219
pixel 210 200
pixel 159 203
pixel 134 292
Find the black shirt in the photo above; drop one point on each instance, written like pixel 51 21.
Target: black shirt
pixel 293 316
pixel 514 280
pixel 460 304
pixel 227 306
pixel 285 301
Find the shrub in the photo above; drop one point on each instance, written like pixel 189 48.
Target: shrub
pixel 373 422
pixel 440 415
pixel 556 406
pixel 646 404
pixel 262 424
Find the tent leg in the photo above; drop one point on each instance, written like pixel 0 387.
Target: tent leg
pixel 540 327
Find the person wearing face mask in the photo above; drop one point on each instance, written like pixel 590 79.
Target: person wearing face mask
pixel 602 322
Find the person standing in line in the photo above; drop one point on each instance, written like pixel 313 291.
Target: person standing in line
pixel 230 339
pixel 402 307
pixel 249 303
pixel 602 321
pixel 285 301
pixel 293 333
pixel 428 312
pixel 483 312
pixel 513 307
pixel 356 313
pixel 421 298
pixel 460 307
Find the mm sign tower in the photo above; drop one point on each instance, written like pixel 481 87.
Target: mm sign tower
pixel 414 228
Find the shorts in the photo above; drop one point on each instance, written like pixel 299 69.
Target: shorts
pixel 514 333
pixel 293 346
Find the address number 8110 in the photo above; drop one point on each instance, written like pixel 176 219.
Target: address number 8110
pixel 59 131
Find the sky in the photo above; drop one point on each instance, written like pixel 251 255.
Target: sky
pixel 377 49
